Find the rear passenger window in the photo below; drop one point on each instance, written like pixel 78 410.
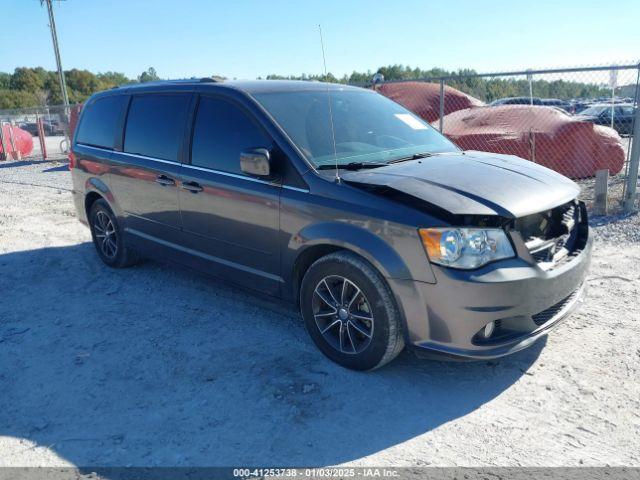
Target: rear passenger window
pixel 100 120
pixel 155 125
pixel 220 133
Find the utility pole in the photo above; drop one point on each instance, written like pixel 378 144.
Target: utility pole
pixel 56 49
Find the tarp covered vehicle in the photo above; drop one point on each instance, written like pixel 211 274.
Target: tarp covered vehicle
pixel 548 136
pixel 542 134
pixel 423 98
pixel 15 140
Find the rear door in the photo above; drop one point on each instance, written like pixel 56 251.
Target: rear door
pixel 230 219
pixel 145 174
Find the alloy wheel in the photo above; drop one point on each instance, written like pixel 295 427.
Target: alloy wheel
pixel 105 233
pixel 343 314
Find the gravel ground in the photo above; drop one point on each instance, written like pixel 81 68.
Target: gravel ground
pixel 160 366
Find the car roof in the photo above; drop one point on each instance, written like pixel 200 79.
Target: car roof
pixel 608 105
pixel 519 98
pixel 248 86
pixel 515 99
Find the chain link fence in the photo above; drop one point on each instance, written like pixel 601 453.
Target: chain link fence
pixel 576 121
pixel 35 133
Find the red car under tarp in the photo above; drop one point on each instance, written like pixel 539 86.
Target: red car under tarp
pixel 423 98
pixel 545 135
pixel 22 141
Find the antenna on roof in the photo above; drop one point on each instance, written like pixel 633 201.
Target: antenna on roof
pixel 333 132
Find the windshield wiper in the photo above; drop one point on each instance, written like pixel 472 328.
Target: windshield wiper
pixel 351 166
pixel 415 156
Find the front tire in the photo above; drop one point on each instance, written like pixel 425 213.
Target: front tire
pixel 108 237
pixel 350 312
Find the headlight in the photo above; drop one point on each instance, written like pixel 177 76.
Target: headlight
pixel 465 247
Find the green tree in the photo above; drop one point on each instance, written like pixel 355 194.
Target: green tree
pixel 149 75
pixel 5 81
pixel 42 97
pixel 52 87
pixel 28 87
pixel 112 79
pixel 17 99
pixel 28 79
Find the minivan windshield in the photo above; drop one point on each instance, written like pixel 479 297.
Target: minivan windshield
pixel 369 128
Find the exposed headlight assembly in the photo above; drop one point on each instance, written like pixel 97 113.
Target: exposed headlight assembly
pixel 465 248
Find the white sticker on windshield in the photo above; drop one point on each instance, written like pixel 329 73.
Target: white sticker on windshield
pixel 412 121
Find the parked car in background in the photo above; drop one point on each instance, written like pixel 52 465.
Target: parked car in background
pixel 578 106
pixel 556 102
pixel 423 98
pixel 50 127
pixel 30 127
pixel 600 114
pixel 548 136
pixel 381 230
pixel 544 102
pixel 517 101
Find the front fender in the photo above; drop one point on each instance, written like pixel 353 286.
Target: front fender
pixel 381 255
pixel 360 240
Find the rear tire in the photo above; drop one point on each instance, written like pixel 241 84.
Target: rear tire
pixel 108 237
pixel 350 312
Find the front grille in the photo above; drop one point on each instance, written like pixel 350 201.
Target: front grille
pixel 543 255
pixel 544 316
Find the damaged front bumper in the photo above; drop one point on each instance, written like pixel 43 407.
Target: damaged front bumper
pixel 523 300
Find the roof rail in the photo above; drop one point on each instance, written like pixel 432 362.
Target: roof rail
pixel 210 80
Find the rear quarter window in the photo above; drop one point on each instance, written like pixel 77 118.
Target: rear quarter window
pixel 100 121
pixel 155 125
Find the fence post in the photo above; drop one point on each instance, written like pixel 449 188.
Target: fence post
pixel 441 105
pixel 601 203
pixel 634 159
pixel 41 139
pixel 3 154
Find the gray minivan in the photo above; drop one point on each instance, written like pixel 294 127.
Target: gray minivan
pixel 382 231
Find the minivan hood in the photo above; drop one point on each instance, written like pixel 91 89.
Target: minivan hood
pixel 474 183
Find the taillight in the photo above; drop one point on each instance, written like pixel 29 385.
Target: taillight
pixel 72 161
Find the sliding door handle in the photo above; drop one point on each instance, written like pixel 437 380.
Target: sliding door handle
pixel 193 187
pixel 165 181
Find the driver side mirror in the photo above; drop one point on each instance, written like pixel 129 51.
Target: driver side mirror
pixel 256 162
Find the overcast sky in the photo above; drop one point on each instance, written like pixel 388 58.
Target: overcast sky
pixel 247 39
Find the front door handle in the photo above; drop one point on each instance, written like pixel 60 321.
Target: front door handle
pixel 165 181
pixel 193 187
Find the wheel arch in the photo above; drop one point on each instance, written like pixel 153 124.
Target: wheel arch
pixel 319 240
pixel 96 189
pixel 305 259
pixel 89 199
